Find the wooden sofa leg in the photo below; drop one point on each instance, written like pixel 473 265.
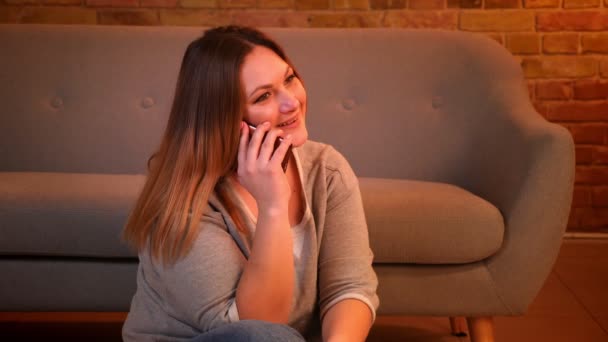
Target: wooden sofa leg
pixel 481 329
pixel 458 325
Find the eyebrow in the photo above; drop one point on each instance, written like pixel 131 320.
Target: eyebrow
pixel 265 86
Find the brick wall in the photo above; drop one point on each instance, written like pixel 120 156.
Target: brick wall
pixel 562 46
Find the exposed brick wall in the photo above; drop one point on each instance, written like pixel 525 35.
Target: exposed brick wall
pixel 562 46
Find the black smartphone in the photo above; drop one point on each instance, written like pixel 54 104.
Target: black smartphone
pixel 277 143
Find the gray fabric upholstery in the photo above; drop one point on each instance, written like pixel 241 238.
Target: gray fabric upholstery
pixel 81 215
pixel 66 284
pixel 429 223
pixel 466 188
pixel 65 214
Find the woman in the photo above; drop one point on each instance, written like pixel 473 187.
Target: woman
pixel 232 246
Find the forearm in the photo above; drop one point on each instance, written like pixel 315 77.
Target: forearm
pixel 265 289
pixel 348 320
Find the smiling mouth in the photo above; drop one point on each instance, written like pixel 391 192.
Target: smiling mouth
pixel 288 122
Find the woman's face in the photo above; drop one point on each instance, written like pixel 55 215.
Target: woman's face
pixel 273 93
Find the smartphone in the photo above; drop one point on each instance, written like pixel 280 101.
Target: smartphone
pixel 277 143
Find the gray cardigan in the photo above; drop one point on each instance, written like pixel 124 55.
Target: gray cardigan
pixel 197 293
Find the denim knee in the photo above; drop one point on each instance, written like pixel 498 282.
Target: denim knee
pixel 251 331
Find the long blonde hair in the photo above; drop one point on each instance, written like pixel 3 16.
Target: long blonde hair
pixel 200 143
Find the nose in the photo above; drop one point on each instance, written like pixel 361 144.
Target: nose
pixel 288 102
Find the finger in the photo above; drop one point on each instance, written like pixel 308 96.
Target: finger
pixel 268 145
pixel 281 151
pixel 242 155
pixel 256 140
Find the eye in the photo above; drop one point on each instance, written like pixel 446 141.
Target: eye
pixel 262 97
pixel 290 78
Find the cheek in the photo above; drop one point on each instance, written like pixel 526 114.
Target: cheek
pixel 256 115
pixel 301 95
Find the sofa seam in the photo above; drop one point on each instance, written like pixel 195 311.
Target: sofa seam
pixel 496 290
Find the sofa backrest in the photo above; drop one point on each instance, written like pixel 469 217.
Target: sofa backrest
pixel 397 103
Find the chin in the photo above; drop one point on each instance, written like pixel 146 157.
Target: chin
pixel 300 139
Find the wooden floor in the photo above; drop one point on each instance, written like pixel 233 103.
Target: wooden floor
pixel 572 306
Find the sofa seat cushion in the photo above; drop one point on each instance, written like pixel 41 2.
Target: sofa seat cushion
pixel 429 223
pixel 82 215
pixel 65 214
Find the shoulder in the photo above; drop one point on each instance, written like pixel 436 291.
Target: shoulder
pixel 212 232
pixel 323 161
pixel 316 153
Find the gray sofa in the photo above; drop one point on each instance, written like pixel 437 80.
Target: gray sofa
pixel 466 188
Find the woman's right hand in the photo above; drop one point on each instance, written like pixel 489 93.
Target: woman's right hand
pixel 265 289
pixel 259 169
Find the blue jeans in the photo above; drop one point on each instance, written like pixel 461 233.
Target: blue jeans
pixel 251 331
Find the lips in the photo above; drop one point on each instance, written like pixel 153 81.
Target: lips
pixel 288 122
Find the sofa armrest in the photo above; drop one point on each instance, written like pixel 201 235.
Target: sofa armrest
pixel 527 172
